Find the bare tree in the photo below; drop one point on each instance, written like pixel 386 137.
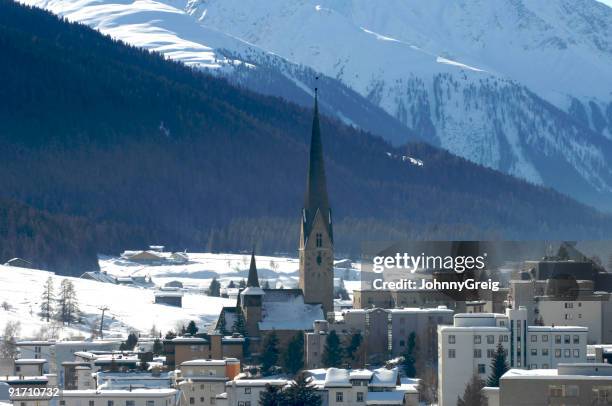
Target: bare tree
pixel 8 345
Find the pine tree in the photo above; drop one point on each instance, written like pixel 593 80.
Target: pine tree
pixel 499 366
pixel 269 356
pixel 352 356
pixel 332 353
pixel 130 343
pixel 215 288
pixel 67 304
pixel 158 348
pixel 272 396
pixel 221 323
pixel 231 285
pixel 8 344
pixel 293 358
pixel 48 300
pixel 192 329
pixel 472 396
pixel 242 284
pixel 409 363
pixel 301 393
pixel 239 326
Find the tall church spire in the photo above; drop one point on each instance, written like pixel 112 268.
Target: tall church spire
pixel 316 184
pixel 253 281
pixel 316 237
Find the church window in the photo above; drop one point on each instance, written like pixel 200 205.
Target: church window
pixel 319 259
pixel 319 240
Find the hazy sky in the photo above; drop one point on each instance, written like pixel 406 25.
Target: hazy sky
pixel 608 2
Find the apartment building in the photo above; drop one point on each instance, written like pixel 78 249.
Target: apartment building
pixel 200 381
pixel 119 397
pixel 569 385
pixel 467 347
pixel 245 392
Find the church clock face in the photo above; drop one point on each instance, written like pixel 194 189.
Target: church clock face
pixel 319 260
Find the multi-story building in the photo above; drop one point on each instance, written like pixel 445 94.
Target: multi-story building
pixel 246 392
pixel 581 305
pixel 200 381
pixel 119 397
pixel 569 385
pixel 467 347
pixel 385 331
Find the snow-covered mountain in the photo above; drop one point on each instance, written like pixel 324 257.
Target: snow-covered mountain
pixel 522 86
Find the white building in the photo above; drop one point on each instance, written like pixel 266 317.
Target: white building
pixel 568 384
pixel 136 397
pixel 245 392
pixel 467 347
pixel 200 381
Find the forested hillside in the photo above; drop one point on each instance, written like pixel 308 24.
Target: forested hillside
pixel 144 150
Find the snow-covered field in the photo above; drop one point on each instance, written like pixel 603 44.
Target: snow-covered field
pixel 132 307
pixel 203 267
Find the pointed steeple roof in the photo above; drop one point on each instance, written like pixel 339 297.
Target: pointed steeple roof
pixel 316 198
pixel 253 281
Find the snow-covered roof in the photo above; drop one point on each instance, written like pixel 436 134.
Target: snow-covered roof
pixel 196 340
pixel 337 378
pixel 384 377
pixel 204 362
pixel 168 293
pixel 258 382
pixel 26 361
pixel 361 374
pixel 412 310
pixel 252 291
pixel 137 393
pixel 284 309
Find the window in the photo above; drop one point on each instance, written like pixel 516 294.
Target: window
pixel 566 339
pixel 150 403
pixel 603 394
pixel 247 403
pixel 451 353
pixel 319 238
pixel 555 390
pixel 576 353
pixel 339 397
pixel 201 399
pixel 572 391
pixel 192 401
pixel 544 366
pixel 490 353
pixel 533 366
pixel 576 339
pixel 534 351
pixel 241 403
pixel 557 339
pixel 477 339
pixel 359 396
pixel 451 339
pixel 545 351
pixel 22 403
pixel 477 353
pixel 401 343
pixel 490 339
pixel 534 338
pixel 247 390
pixel 567 353
pixel 544 338
pixel 91 403
pixel 557 353
pixel 130 403
pixel 481 369
pixel 569 305
pixel 212 400
pixel 110 403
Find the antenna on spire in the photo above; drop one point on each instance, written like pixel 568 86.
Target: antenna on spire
pixel 316 84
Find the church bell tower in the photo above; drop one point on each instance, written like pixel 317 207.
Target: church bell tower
pixel 316 249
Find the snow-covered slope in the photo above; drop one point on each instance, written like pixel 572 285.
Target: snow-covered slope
pixel 522 86
pixel 130 308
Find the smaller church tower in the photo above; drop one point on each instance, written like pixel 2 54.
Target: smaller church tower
pixel 251 301
pixel 316 249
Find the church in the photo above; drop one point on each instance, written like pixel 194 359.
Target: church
pixel 287 311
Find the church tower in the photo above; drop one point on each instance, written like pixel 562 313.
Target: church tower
pixel 316 231
pixel 251 301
